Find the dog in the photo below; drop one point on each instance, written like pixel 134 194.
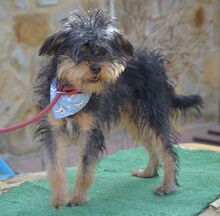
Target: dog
pixel 116 84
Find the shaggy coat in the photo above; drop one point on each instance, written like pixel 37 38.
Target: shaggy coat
pixel 127 86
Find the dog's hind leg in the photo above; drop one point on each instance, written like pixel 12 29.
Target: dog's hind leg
pixel 148 140
pixel 150 170
pixel 161 149
pixel 157 142
pixel 169 158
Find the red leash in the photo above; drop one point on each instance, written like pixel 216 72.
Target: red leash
pixel 61 90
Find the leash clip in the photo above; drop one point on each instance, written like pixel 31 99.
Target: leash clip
pixel 61 92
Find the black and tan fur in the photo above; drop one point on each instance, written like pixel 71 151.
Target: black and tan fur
pixel 128 86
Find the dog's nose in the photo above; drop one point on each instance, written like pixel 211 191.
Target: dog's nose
pixel 95 68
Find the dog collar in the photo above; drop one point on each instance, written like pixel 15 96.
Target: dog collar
pixel 67 104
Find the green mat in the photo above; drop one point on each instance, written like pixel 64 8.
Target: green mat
pixel 116 192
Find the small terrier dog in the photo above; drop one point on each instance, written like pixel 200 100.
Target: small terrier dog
pixel 122 85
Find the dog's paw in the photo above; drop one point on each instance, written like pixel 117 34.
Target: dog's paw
pixel 77 200
pixel 163 190
pixel 143 173
pixel 58 201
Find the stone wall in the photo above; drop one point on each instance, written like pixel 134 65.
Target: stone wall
pixel 186 31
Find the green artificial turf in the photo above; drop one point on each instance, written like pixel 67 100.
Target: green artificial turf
pixel 116 192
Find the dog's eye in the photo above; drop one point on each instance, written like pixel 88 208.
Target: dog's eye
pixel 84 49
pixel 102 51
pixel 89 62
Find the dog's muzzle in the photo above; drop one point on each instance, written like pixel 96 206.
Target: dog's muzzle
pixel 95 68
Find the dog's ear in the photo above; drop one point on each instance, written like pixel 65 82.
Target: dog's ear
pixel 52 43
pixel 125 45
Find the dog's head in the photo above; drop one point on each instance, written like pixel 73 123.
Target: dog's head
pixel 90 50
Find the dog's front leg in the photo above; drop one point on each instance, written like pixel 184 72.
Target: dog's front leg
pixel 84 179
pixel 53 142
pixel 88 157
pixel 56 172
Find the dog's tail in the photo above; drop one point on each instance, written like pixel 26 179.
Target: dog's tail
pixel 184 103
